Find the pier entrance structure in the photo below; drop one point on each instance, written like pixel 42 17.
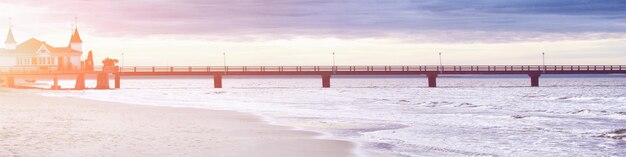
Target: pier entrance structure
pixel 534 72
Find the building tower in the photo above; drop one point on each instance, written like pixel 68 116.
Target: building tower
pixel 76 42
pixel 10 42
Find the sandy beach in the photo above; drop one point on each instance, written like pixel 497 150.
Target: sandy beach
pixel 32 125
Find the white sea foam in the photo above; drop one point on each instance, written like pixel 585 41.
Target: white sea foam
pixel 401 117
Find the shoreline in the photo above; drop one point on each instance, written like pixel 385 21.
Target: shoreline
pixel 36 125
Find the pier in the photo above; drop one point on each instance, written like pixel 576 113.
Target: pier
pixel 534 72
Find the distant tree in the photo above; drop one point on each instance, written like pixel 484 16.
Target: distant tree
pixel 109 62
pixel 89 62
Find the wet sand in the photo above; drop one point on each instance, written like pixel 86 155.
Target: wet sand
pixel 32 125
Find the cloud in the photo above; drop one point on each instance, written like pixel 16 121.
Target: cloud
pixel 430 20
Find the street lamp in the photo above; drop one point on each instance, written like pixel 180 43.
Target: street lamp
pixel 440 63
pixel 225 68
pixel 122 69
pixel 224 55
pixel 543 56
pixel 334 65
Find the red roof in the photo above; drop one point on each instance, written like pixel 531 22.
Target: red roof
pixel 76 37
pixel 32 45
pixel 10 38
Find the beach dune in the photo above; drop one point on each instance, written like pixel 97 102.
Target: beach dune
pixel 32 125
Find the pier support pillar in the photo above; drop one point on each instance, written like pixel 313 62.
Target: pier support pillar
pixel 56 86
pixel 80 82
pixel 102 81
pixel 217 81
pixel 118 81
pixel 432 80
pixel 326 81
pixel 10 81
pixel 534 80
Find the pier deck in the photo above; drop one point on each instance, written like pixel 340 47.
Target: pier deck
pixel 326 72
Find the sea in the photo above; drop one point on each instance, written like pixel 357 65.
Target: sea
pixel 402 117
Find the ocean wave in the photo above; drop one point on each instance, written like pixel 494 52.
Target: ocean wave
pixel 363 114
pixel 590 99
pixel 216 92
pixel 615 115
pixel 618 134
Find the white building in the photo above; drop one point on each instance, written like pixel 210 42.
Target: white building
pixel 36 54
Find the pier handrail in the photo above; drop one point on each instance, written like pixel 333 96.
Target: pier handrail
pixel 431 71
pixel 394 68
pixel 362 68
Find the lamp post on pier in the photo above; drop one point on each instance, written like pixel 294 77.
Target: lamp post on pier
pixel 224 56
pixel 440 63
pixel 122 69
pixel 334 65
pixel 543 60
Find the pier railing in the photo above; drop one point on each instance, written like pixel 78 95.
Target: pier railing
pixel 431 71
pixel 398 68
pixel 446 68
pixel 28 69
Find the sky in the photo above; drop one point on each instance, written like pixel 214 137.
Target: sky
pixel 307 32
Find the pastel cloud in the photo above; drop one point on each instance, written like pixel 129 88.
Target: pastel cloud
pixel 435 20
